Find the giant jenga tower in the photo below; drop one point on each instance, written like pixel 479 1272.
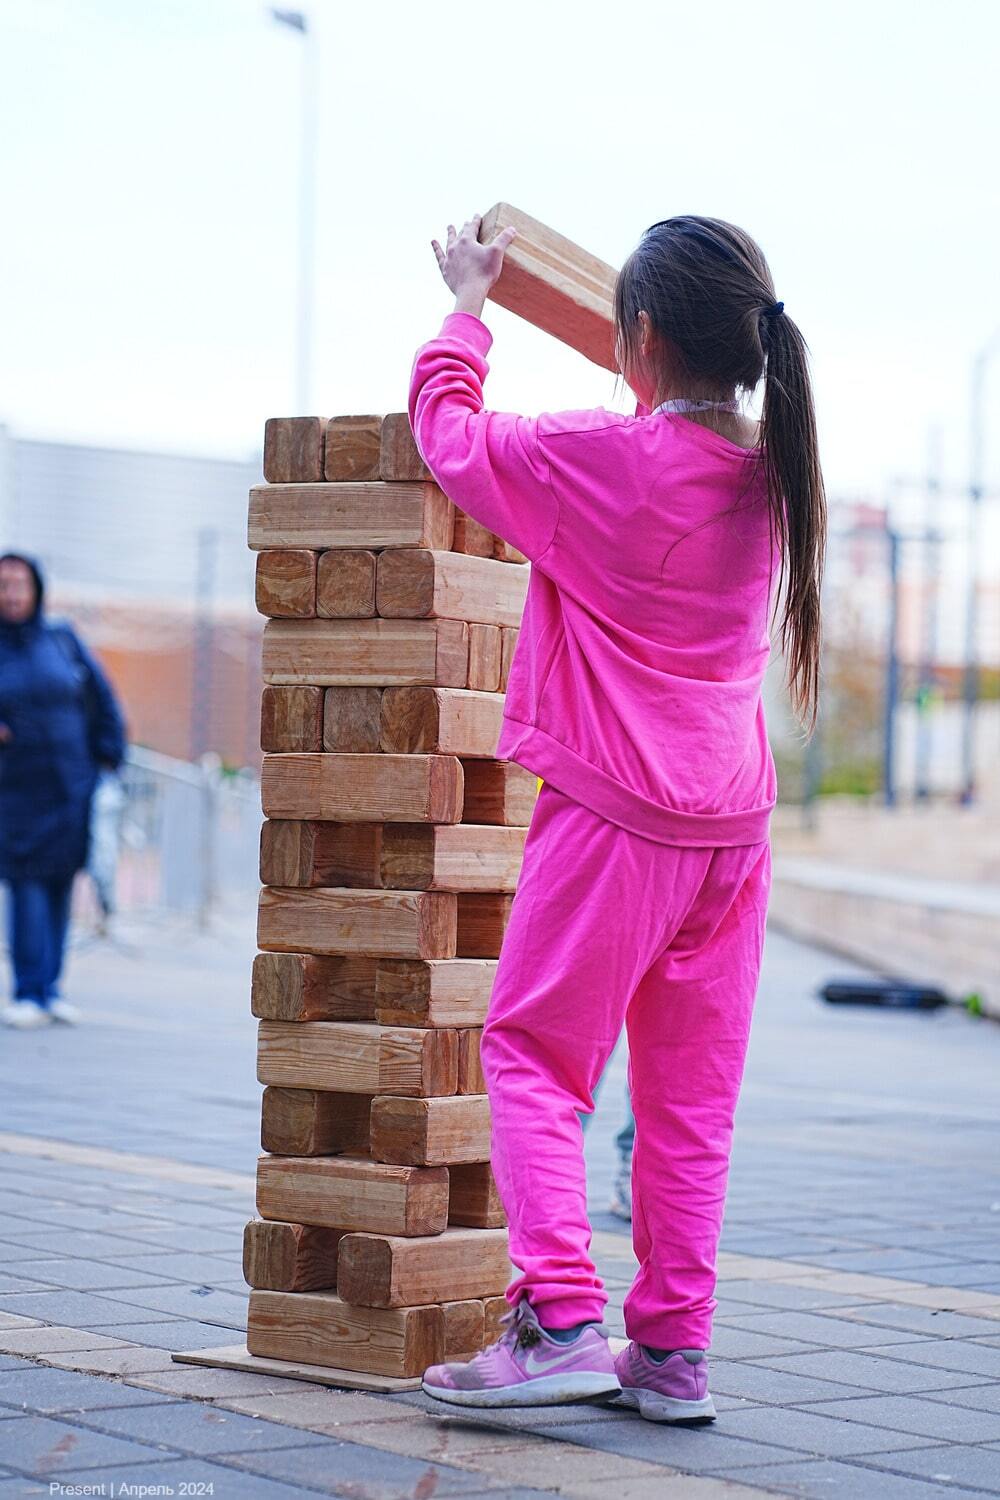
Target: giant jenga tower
pixel 389 859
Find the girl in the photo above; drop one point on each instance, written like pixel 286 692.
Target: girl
pixel 658 543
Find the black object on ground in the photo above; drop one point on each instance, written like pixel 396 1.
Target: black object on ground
pixel 894 994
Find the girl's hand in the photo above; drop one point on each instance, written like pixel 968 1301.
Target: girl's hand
pixel 468 267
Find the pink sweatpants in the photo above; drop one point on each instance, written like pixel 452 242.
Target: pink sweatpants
pixel 607 926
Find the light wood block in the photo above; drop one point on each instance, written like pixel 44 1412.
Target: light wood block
pixel 351 449
pixel 508 641
pixel 413 583
pixel 317 1327
pixel 471 1079
pixel 506 553
pixel 430 1132
pixel 484 658
pixel 293 449
pixel 310 987
pixel 473 1198
pixel 291 1257
pixel 495 1309
pixel 291 719
pixel 347 1058
pixel 285 582
pixel 378 1270
pixel 359 516
pixel 471 537
pixel 450 857
pixel 552 283
pixel 482 922
pixel 498 791
pixel 464 1324
pixel 307 1122
pixel 399 458
pixel 363 788
pixel 353 1193
pixel 345 584
pixel 352 719
pixel 366 653
pixel 435 992
pixel 440 721
pixel 373 923
pixel 308 854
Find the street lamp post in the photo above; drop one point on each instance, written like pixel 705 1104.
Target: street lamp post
pixel 298 21
pixel 980 366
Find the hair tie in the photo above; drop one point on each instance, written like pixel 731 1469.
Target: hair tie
pixel 774 310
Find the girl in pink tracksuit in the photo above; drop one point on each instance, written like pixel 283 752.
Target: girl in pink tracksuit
pixel 662 545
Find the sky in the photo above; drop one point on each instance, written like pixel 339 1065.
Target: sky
pixel 150 176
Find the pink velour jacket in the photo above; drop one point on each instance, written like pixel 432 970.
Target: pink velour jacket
pixel 636 684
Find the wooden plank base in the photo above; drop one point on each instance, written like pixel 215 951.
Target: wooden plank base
pixel 238 1357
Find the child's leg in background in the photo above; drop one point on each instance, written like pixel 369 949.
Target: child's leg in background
pixel 689 1024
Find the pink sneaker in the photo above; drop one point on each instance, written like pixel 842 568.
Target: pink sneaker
pixel 525 1367
pixel 674 1391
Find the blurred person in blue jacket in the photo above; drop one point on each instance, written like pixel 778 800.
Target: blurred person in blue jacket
pixel 60 725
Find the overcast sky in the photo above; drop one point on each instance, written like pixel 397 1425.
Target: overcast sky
pixel 149 181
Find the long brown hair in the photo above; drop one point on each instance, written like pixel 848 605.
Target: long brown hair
pixel 708 293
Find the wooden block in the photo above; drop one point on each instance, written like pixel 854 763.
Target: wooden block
pixel 366 653
pixel 306 1122
pixel 344 1058
pixel 495 1309
pixel 291 719
pixel 308 987
pixel 291 1257
pixel 498 791
pixel 472 538
pixel 352 719
pixel 435 992
pixel 285 582
pixel 464 1324
pixel 346 1192
pixel 307 854
pixel 484 658
pixel 351 449
pixel 450 857
pixel 430 1132
pixel 482 922
pixel 293 449
pixel 345 584
pixel 440 721
pixel 379 1270
pixel 504 552
pixel 508 640
pixel 318 1328
pixel 470 1068
pixel 473 1197
pixel 399 458
pixel 359 516
pixel 363 788
pixel 379 924
pixel 552 283
pixel 413 583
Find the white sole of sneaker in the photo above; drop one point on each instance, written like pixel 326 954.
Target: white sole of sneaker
pixel 543 1390
pixel 657 1408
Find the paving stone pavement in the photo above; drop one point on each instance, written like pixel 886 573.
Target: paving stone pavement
pixel 857 1342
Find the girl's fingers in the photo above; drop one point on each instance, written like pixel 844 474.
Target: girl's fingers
pixel 451 235
pixel 439 253
pixel 505 238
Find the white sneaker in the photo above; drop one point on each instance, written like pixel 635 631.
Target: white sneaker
pixel 25 1015
pixel 64 1011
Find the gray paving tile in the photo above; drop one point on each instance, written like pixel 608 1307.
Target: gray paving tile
pixel 868 1370
pixel 202 1476
pixel 921 1320
pixel 350 1469
pixel 86 1276
pixel 777 1294
pixel 926 1419
pixel 826 1332
pixel 199 1303
pixel 47 1448
pixel 42 1389
pixel 745 1343
pixel 816 1432
pixel 194 1427
pixel 693 1450
pixel 843 1481
pixel 181 1265
pixel 955 1464
pixel 177 1333
pixel 776 1387
pixel 74 1309
pixel 950 1354
pixel 984 1397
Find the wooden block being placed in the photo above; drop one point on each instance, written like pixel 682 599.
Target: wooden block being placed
pixel 307 854
pixel 482 922
pixel 508 640
pixel 291 1257
pixel 343 1058
pixel 430 1132
pixel 306 1122
pixel 291 719
pixel 495 1309
pixel 484 658
pixel 317 1328
pixel 378 1270
pixel 352 719
pixel 366 653
pixel 285 583
pixel 363 788
pixel 310 987
pixel 416 584
pixel 450 857
pixel 361 516
pixel 351 449
pixel 470 1066
pixel 344 1192
pixel 442 992
pixel 345 584
pixel 473 1197
pixel 293 449
pixel 373 923
pixel 464 1324
pixel 399 458
pixel 552 283
pixel 441 721
pixel 472 538
pixel 498 791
